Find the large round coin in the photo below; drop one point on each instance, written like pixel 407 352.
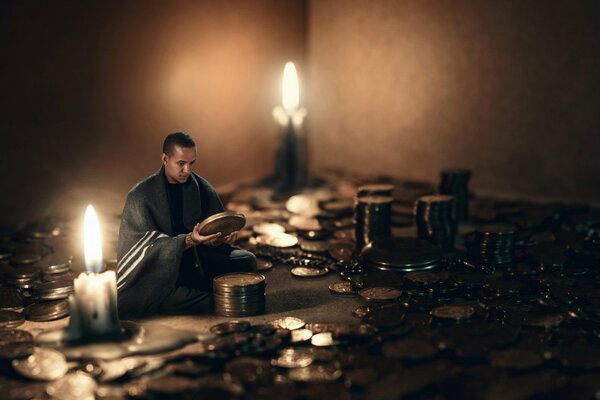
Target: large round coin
pixel 42 365
pixel 401 254
pixel 224 222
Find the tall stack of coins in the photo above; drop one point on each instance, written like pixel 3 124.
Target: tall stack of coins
pixel 372 219
pixel 493 246
pixel 239 294
pixel 435 220
pixel 455 182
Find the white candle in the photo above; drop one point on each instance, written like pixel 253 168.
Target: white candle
pixel 93 307
pixel 290 161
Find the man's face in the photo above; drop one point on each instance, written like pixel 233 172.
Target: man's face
pixel 178 164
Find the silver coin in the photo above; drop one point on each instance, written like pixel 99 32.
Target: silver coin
pixel 43 365
pixel 305 272
pixel 74 386
pixel 290 323
pixel 303 204
pixel 292 358
pixel 323 339
pixel 343 288
pixel 361 311
pixel 304 223
pixel 279 240
pixel 266 228
pixel 300 335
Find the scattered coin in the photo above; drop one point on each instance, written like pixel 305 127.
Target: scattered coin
pixel 263 265
pixel 343 288
pixel 73 386
pixel 44 365
pixel 268 229
pixel 305 272
pixel 380 294
pixel 300 335
pixel 290 323
pixel 323 339
pixel 226 328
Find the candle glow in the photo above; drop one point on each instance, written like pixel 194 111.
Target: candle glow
pixel 290 95
pixel 92 242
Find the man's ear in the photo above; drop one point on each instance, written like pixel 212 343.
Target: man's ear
pixel 164 158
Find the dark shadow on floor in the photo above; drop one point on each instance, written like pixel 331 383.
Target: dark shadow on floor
pixel 294 299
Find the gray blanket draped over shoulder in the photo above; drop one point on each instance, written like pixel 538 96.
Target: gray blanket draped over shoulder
pixel 147 240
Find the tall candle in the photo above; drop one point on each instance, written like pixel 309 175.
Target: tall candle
pixel 290 161
pixel 93 306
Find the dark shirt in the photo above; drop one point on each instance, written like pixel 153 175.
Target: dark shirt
pixel 188 262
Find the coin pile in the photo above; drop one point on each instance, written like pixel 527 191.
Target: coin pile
pixel 372 219
pixel 435 219
pixel 455 182
pixel 493 245
pixel 239 294
pixel 402 254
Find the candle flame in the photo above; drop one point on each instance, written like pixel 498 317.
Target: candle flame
pixel 290 92
pixel 92 242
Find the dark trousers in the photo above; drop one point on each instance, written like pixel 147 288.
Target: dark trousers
pixel 193 291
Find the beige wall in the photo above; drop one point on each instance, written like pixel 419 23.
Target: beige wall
pixel 509 89
pixel 89 90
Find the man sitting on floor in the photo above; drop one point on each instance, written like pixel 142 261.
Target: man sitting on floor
pixel 164 264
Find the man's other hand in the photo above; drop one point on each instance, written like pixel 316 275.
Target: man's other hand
pixel 210 240
pixel 231 238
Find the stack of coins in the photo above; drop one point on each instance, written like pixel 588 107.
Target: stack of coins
pixel 434 216
pixel 46 291
pixel 401 254
pixel 20 276
pixel 375 189
pixel 493 246
pixel 239 294
pixel 372 219
pixel 455 182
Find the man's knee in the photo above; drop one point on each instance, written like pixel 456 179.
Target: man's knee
pixel 245 259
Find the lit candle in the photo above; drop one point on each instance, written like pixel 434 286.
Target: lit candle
pixel 290 161
pixel 93 306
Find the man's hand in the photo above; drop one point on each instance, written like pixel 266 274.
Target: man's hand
pixel 231 238
pixel 210 240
